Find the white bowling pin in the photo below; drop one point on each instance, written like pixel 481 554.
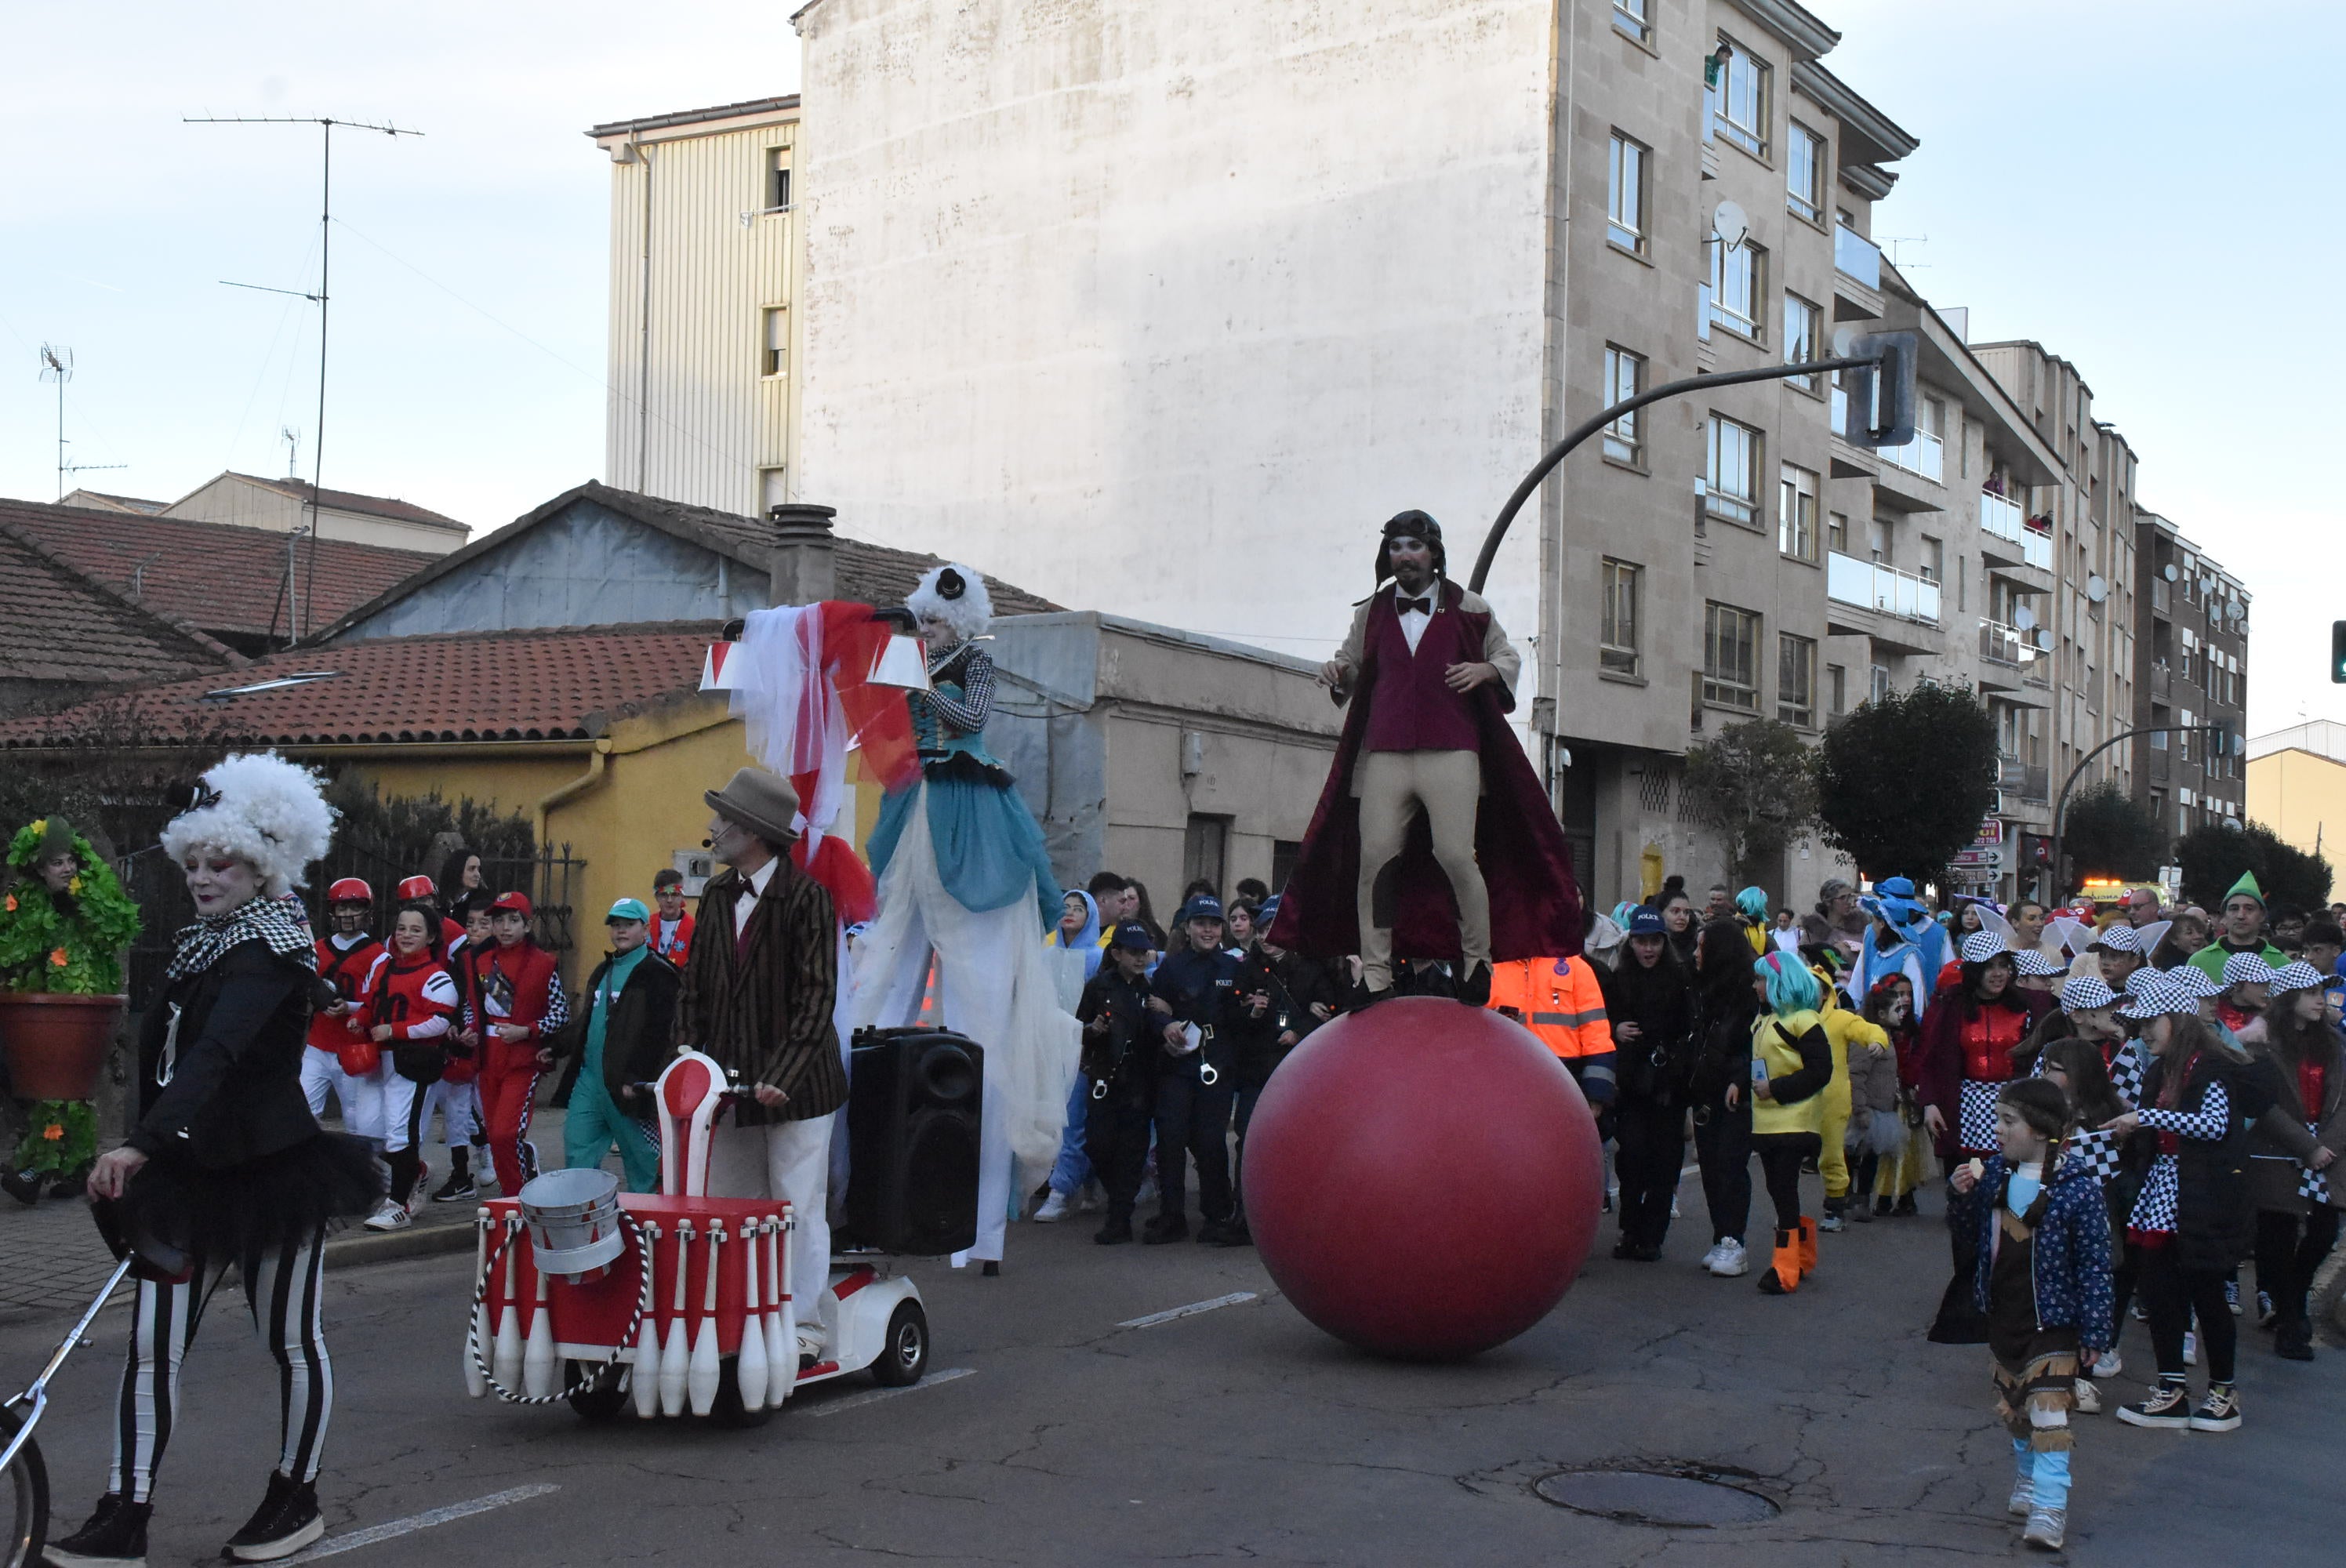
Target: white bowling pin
pixel 538 1375
pixel 506 1362
pixel 644 1379
pixel 781 1347
pixel 477 1337
pixel 749 1361
pixel 700 1373
pixel 673 1360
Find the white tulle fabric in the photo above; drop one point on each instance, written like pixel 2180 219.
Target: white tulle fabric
pixel 790 712
pixel 994 985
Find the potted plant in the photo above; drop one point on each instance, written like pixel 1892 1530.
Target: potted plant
pixel 63 925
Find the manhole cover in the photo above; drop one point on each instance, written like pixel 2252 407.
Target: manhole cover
pixel 1655 1497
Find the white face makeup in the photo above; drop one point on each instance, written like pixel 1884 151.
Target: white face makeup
pixel 219 882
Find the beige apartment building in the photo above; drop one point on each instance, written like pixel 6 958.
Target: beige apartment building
pixel 284 506
pixel 703 399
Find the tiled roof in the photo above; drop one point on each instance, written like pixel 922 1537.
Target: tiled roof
pixel 218 577
pixel 59 625
pixel 506 685
pixel 352 501
pixel 866 573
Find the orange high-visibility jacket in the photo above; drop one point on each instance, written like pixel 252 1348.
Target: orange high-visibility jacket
pixel 1561 1003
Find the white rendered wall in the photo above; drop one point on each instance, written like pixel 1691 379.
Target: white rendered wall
pixel 1162 308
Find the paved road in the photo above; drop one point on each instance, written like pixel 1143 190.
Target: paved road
pixel 1242 1433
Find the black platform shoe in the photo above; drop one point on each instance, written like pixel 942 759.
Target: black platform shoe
pixel 285 1522
pixel 115 1537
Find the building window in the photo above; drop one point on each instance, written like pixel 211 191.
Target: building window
pixel 1730 658
pixel 1737 286
pixel 1801 338
pixel 1204 842
pixel 1796 680
pixel 1837 688
pixel 1738 104
pixel 1617 639
pixel 778 179
pixel 1878 683
pixel 1804 172
pixel 1837 533
pixel 1624 377
pixel 1625 195
pixel 773 488
pixel 1632 18
pixel 1731 482
pixel 1796 523
pixel 775 352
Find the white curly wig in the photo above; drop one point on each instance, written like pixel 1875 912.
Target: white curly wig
pixel 956 595
pixel 261 809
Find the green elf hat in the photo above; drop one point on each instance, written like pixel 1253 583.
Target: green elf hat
pixel 2248 886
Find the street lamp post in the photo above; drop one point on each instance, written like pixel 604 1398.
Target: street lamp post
pixel 2061 806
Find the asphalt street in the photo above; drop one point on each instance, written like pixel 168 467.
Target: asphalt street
pixel 1234 1433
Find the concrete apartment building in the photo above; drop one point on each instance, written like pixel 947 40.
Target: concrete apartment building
pixel 1156 305
pixel 703 402
pixel 2297 786
pixel 2192 628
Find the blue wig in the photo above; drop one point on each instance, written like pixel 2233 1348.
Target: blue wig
pixel 1753 902
pixel 1792 987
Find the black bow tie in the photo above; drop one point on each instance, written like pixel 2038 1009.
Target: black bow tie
pixel 1423 607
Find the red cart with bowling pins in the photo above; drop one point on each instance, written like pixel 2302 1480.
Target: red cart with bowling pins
pixel 667 1304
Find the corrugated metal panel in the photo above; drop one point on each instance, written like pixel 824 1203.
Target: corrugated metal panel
pixel 699 426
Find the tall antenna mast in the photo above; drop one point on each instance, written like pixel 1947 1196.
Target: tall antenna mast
pixel 57 365
pixel 325 273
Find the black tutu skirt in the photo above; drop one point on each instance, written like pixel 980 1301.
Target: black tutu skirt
pixel 240 1212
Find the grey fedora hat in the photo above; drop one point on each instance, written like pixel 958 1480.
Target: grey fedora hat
pixel 760 801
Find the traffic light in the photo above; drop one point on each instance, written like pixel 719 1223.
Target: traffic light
pixel 2338 651
pixel 1881 395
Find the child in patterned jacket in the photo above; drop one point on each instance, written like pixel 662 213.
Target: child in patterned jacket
pixel 2043 1281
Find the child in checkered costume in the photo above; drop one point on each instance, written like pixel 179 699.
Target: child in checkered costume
pixel 2293 1148
pixel 2042 1237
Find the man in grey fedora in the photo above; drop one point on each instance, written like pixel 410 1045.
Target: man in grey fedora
pixel 760 984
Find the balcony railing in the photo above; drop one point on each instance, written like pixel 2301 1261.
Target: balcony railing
pixel 2037 784
pixel 1841 413
pixel 2005 643
pixel 2162 681
pixel 1926 455
pixel 1883 588
pixel 1856 257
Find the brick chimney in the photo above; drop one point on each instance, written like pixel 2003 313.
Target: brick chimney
pixel 800 562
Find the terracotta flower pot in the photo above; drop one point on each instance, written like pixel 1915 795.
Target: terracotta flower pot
pixel 55 1044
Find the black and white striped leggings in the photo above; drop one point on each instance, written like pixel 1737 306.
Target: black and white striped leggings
pixel 284 1289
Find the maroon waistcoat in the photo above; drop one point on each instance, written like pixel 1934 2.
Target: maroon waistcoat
pixel 1410 708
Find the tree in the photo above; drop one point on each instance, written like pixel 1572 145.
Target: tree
pixel 2213 857
pixel 2108 833
pixel 1757 780
pixel 1905 781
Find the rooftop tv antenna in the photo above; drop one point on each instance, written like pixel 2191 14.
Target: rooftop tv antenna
pixel 57 365
pixel 292 440
pixel 325 272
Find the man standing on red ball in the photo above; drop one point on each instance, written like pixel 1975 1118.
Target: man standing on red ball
pixel 521 1005
pixel 1430 677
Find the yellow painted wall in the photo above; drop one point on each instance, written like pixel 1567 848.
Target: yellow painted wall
pixel 2303 798
pixel 628 822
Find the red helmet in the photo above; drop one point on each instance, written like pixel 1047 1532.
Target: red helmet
pixel 518 903
pixel 411 887
pixel 350 890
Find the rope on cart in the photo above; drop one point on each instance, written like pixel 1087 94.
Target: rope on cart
pixel 594 1373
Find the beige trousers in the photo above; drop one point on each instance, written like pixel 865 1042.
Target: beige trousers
pixel 1392 786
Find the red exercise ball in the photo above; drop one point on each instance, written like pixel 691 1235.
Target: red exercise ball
pixel 1424 1179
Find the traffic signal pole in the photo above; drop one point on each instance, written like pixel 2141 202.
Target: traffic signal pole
pixel 2061 806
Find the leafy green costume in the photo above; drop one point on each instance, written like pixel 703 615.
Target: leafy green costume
pixel 70 943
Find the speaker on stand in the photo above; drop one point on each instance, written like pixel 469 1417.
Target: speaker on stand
pixel 913 1128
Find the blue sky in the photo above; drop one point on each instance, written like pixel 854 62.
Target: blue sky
pixel 2127 183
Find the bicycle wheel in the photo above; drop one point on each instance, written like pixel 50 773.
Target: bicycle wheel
pixel 27 1503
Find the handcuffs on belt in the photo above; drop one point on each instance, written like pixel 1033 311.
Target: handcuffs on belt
pixel 1197 1036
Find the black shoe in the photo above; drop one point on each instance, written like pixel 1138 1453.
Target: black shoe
pixel 990 1268
pixel 1217 1232
pixel 115 1537
pixel 1625 1249
pixel 2293 1340
pixel 458 1188
pixel 1475 991
pixel 1650 1252
pixel 24 1186
pixel 69 1186
pixel 1115 1232
pixel 285 1522
pixel 1906 1210
pixel 1162 1229
pixel 1235 1233
pixel 1882 1207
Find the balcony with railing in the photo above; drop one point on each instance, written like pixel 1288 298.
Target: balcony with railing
pixel 1856 258
pixel 2005 643
pixel 1875 586
pixel 2162 681
pixel 1926 455
pixel 2001 518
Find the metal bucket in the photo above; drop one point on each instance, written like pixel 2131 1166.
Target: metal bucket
pixel 574 1223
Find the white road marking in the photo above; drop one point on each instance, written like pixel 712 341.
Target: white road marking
pixel 335 1545
pixel 1191 1310
pixel 873 1396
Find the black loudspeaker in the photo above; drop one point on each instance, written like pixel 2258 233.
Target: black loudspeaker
pixel 913 1141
